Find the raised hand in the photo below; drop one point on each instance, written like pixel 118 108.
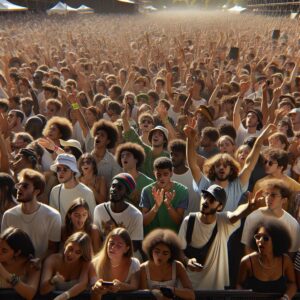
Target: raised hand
pixel 158 196
pixel 169 196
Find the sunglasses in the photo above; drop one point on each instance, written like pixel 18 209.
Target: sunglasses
pixel 62 169
pixel 23 185
pixel 86 162
pixel 259 236
pixel 270 163
pixel 146 121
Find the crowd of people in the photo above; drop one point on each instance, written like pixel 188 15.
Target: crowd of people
pixel 156 152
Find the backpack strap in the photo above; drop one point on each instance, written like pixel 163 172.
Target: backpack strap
pixel 190 228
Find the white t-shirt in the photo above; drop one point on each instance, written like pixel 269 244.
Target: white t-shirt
pixel 222 120
pixel 131 219
pixel 194 198
pixel 286 219
pixel 173 115
pixel 215 274
pixel 42 226
pixel 63 201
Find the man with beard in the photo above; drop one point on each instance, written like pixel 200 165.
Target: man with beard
pixel 207 232
pixel 63 194
pixel 14 120
pixel 223 169
pixel 41 222
pixel 158 137
pixel 118 212
pixel 163 202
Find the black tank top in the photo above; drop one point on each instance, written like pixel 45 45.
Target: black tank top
pixel 273 286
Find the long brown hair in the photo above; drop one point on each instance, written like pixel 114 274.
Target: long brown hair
pixel 101 260
pixel 76 203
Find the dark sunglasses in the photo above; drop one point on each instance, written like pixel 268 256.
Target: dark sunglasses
pixel 62 169
pixel 146 121
pixel 23 185
pixel 258 237
pixel 86 162
pixel 270 163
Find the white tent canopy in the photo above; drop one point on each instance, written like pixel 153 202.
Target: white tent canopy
pixel 237 9
pixel 84 9
pixel 7 6
pixel 61 8
pixel 127 1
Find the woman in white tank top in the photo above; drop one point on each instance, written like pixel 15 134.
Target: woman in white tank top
pixel 163 273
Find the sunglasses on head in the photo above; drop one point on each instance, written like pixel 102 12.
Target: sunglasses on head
pixel 259 236
pixel 23 185
pixel 270 163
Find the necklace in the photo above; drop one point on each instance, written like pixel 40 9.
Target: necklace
pixel 34 213
pixel 263 266
pixel 115 266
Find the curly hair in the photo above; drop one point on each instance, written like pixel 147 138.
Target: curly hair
pixel 162 236
pixel 137 151
pixel 281 239
pixel 209 166
pixel 64 126
pixel 110 129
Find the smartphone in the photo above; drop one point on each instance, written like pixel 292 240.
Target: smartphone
pixel 167 292
pixel 275 34
pixel 234 53
pixel 107 283
pixel 197 265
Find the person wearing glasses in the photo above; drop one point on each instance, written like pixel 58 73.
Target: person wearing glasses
pixel 41 222
pixel 269 269
pixel 276 195
pixel 69 188
pixel 276 162
pixel 204 236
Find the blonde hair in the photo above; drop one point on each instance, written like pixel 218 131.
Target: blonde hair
pixel 101 260
pixel 84 242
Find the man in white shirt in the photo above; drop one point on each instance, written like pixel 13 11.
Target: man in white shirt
pixel 118 212
pixel 63 194
pixel 276 195
pixel 211 271
pixel 41 222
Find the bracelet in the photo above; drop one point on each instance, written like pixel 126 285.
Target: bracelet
pixel 68 296
pixel 14 280
pixel 75 106
pixel 286 297
pixel 55 148
pixel 52 281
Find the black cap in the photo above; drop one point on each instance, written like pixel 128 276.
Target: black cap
pixel 217 192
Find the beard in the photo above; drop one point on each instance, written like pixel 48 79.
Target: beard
pixel 210 212
pixel 222 178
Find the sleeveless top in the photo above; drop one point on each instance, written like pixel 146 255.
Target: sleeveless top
pixel 271 286
pixel 152 284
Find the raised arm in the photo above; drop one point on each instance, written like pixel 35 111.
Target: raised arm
pixel 191 154
pixel 253 156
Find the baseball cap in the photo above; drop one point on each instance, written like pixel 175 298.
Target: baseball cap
pixel 217 192
pixel 65 159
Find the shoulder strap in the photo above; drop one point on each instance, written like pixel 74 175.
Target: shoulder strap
pixel 59 192
pixel 190 228
pixel 107 210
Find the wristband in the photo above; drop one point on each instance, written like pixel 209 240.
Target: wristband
pixel 286 297
pixel 68 296
pixel 14 280
pixel 55 148
pixel 75 106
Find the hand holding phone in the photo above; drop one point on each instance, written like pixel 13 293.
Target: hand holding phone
pixel 107 283
pixel 194 266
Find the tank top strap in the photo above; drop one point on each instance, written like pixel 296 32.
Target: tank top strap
pixel 148 275
pixel 174 272
pixel 252 270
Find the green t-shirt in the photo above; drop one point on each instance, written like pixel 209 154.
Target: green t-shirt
pixel 162 218
pixel 147 167
pixel 141 182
